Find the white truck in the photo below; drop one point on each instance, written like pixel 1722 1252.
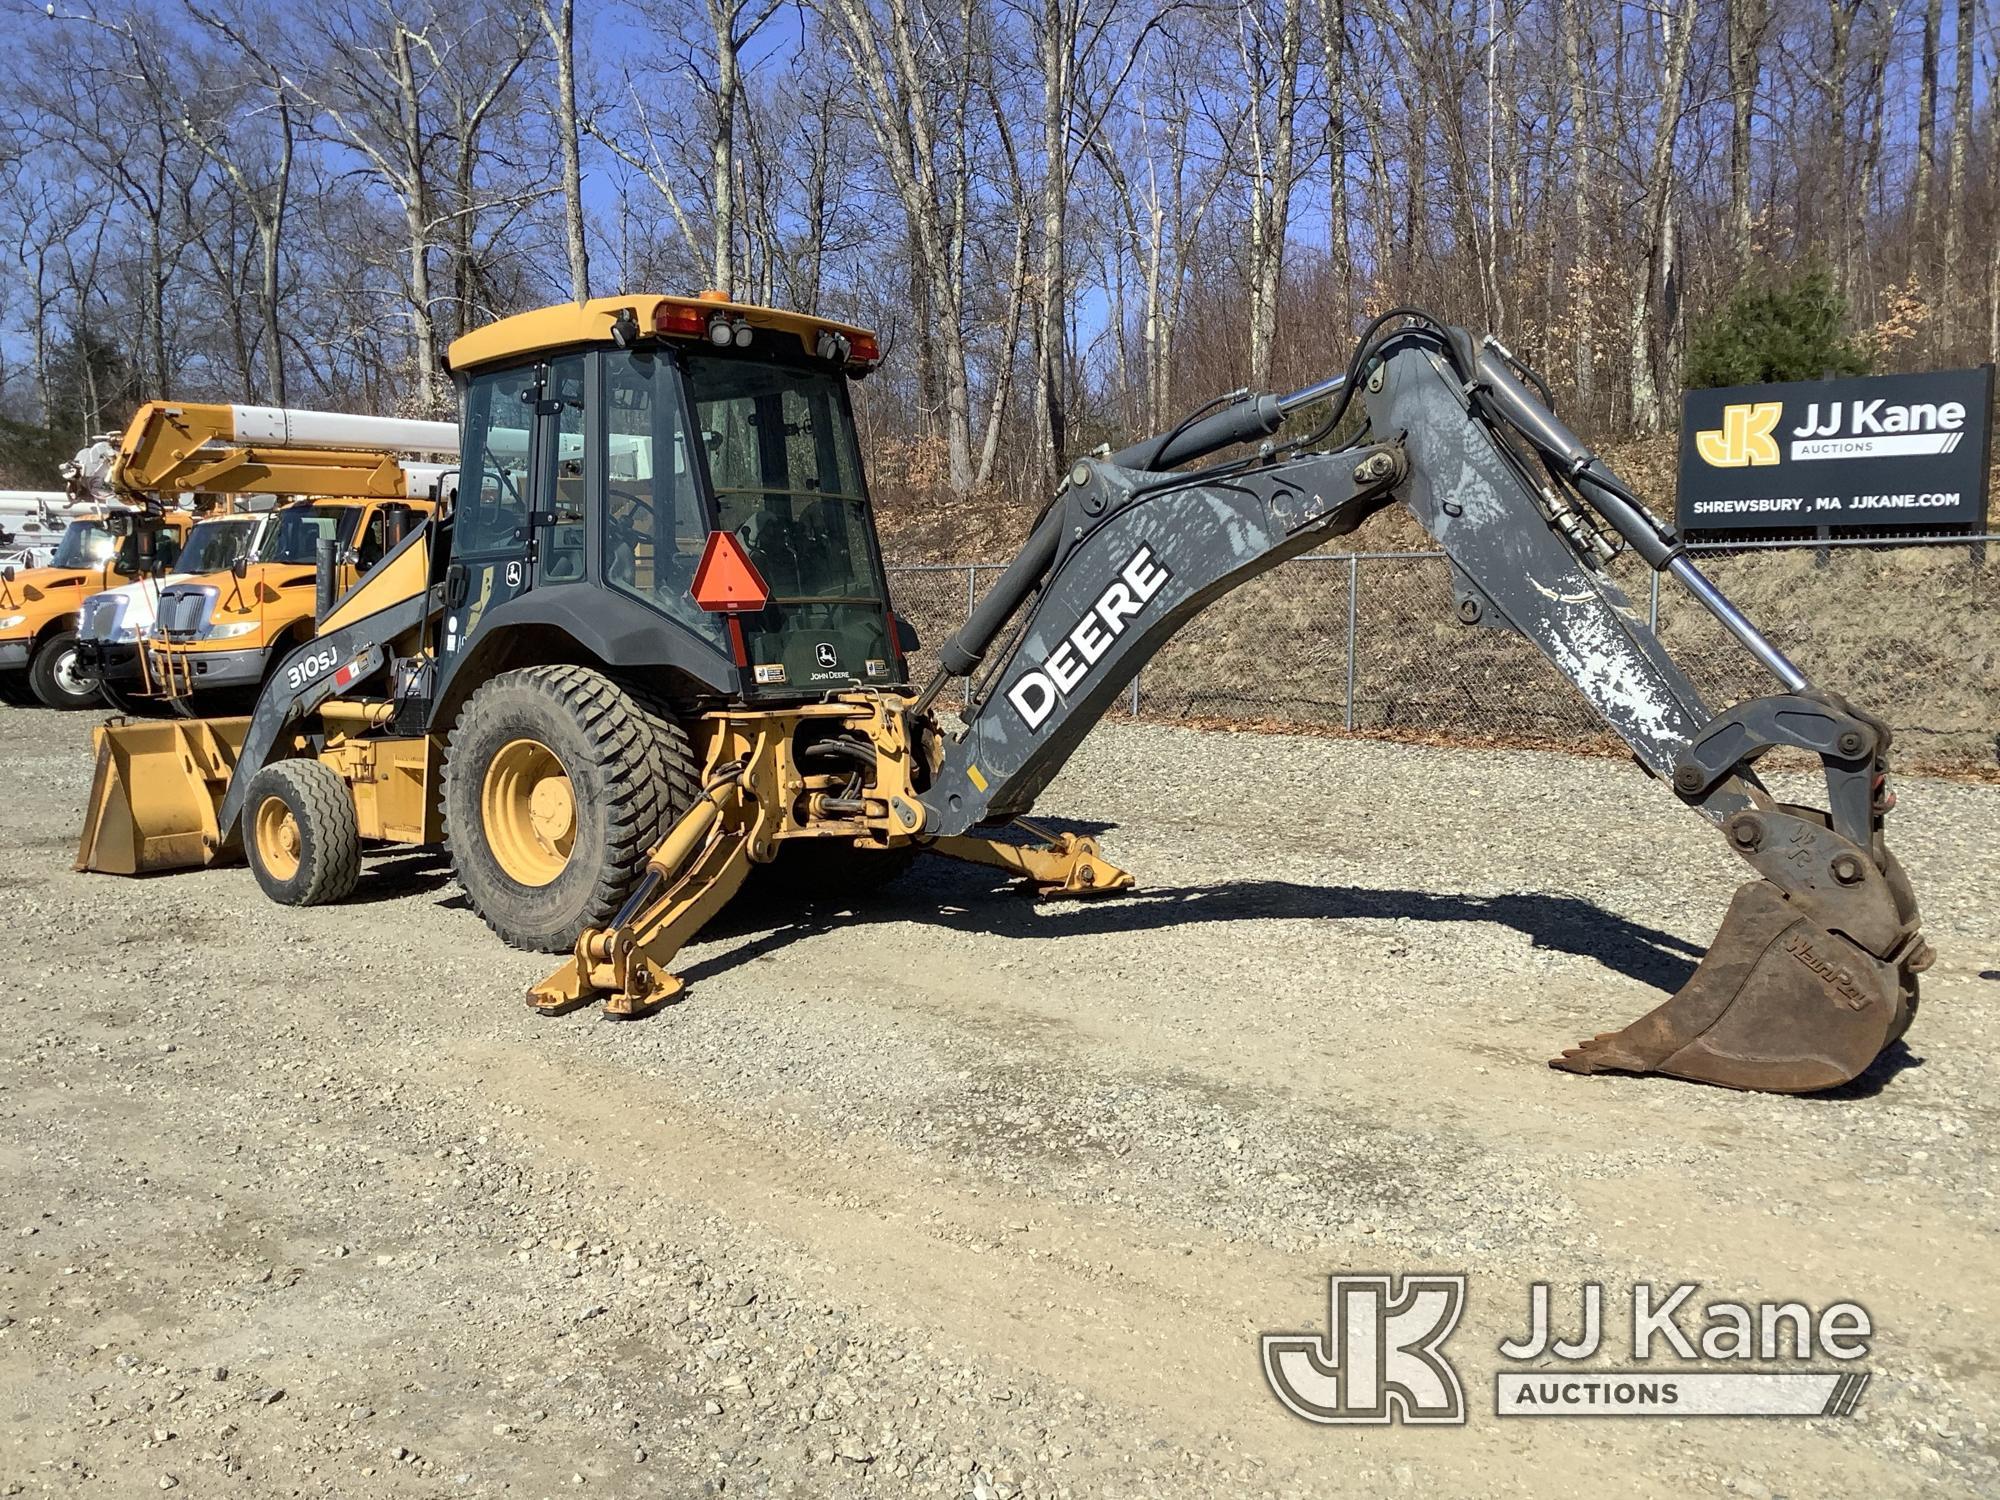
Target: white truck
pixel 31 523
pixel 111 624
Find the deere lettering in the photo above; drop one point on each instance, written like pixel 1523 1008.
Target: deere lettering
pixel 1037 691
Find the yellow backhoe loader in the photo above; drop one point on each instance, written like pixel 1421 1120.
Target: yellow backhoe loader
pixel 651 648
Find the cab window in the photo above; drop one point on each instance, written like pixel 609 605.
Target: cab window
pixel 299 529
pixel 493 479
pixel 166 549
pixel 370 549
pixel 780 450
pixel 84 544
pixel 654 527
pixel 559 554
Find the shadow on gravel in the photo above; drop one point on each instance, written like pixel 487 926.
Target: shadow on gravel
pixel 1895 1058
pixel 409 874
pixel 1563 924
pixel 968 898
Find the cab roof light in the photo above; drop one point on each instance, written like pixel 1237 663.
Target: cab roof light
pixel 680 319
pixel 724 330
pixel 852 349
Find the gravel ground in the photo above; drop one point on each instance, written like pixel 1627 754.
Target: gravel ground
pixel 914 1200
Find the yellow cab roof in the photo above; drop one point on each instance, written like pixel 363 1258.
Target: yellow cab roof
pixel 575 324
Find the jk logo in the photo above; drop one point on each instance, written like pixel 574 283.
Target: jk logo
pixel 1380 1359
pixel 1743 438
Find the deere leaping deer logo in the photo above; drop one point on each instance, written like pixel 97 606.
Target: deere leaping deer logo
pixel 1743 438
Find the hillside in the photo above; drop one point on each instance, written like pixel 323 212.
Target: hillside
pixel 1910 633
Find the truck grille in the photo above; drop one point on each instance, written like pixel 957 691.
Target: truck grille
pixel 101 616
pixel 184 610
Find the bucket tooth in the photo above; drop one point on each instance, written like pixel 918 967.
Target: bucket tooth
pixel 1779 1004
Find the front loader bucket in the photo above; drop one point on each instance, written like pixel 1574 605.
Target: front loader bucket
pixel 1779 1004
pixel 154 794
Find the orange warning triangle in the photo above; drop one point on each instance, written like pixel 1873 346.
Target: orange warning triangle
pixel 726 581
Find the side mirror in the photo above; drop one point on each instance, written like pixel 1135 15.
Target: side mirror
pixel 350 558
pixel 240 569
pixel 119 523
pixel 906 637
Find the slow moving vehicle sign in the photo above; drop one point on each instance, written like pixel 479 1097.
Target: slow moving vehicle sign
pixel 1879 451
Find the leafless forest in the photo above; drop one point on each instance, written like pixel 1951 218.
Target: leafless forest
pixel 1071 218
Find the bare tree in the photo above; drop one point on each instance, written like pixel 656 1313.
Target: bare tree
pixel 1270 48
pixel 558 18
pixel 1655 311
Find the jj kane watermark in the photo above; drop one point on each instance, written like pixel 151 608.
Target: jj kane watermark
pixel 1382 1357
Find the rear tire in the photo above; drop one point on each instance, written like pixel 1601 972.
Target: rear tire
pixel 558 784
pixel 300 834
pixel 58 677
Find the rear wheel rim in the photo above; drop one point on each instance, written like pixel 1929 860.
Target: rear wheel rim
pixel 278 841
pixel 528 810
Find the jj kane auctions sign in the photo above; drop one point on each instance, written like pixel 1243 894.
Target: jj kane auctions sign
pixel 1880 451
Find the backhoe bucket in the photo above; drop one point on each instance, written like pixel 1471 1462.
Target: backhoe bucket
pixel 1780 1004
pixel 154 794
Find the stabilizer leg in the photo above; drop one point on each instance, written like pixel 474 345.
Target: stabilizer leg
pixel 1062 864
pixel 702 862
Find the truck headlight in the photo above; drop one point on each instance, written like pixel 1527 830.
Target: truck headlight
pixel 229 631
pixel 13 620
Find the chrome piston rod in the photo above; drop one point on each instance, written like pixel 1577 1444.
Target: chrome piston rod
pixel 1319 390
pixel 1713 600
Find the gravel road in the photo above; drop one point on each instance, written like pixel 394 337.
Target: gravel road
pixel 956 1194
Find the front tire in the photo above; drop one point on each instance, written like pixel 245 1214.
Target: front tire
pixel 301 836
pixel 57 674
pixel 558 784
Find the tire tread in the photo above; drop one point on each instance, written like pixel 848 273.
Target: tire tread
pixel 649 771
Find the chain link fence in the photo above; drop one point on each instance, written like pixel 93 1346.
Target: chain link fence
pixel 1368 643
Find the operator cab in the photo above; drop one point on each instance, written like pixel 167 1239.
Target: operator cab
pixel 615 444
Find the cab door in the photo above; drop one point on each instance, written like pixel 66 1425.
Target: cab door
pixel 518 423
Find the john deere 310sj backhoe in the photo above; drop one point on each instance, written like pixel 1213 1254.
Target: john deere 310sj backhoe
pixel 652 647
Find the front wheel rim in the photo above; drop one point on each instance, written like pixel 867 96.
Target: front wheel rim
pixel 279 844
pixel 527 808
pixel 70 676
